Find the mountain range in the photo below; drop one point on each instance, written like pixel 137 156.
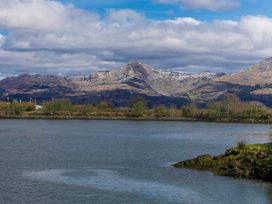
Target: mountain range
pixel 120 86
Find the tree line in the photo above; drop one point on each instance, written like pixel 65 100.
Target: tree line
pixel 228 109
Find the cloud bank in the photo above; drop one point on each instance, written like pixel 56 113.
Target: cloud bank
pixel 51 37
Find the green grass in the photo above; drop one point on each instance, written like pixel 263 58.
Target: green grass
pixel 251 161
pixel 260 147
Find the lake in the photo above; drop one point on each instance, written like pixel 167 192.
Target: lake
pixel 63 161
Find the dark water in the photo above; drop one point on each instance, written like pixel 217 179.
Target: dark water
pixel 120 162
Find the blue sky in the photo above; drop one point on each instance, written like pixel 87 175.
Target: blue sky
pixel 76 37
pixel 155 10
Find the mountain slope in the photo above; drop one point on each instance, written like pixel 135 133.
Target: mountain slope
pixel 253 84
pixel 136 79
pixel 259 74
pixel 26 87
pixel 144 79
pixel 27 82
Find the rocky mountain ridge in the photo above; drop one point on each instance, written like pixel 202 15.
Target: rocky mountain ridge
pixel 258 74
pixel 144 79
pixel 136 79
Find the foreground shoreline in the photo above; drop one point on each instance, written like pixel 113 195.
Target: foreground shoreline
pixel 166 119
pixel 252 161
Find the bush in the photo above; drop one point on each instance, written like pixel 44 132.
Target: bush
pixel 190 110
pixel 241 145
pixel 230 107
pixel 17 108
pixel 4 107
pixel 138 107
pixel 161 111
pixel 58 105
pixel 104 105
pixel 87 110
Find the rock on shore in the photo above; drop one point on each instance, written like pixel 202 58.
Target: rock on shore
pixel 244 161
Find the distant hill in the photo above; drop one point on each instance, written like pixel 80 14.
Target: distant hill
pixel 253 84
pixel 135 79
pixel 259 74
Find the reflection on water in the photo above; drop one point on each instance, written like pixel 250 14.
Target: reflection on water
pixel 111 181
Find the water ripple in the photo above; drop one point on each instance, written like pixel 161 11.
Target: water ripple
pixel 110 181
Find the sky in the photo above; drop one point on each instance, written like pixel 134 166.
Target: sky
pixel 77 37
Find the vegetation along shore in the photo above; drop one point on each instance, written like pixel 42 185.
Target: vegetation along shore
pixel 230 109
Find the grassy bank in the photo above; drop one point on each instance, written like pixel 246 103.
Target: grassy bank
pixel 243 161
pixel 36 116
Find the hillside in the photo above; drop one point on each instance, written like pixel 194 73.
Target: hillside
pixel 144 79
pixel 253 84
pixel 120 86
pixel 259 74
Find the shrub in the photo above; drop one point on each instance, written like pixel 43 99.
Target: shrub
pixel 57 105
pixel 138 107
pixel 4 107
pixel 241 145
pixel 104 105
pixel 161 111
pixel 190 110
pixel 87 109
pixel 19 108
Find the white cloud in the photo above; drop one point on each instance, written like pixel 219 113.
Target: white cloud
pixel 184 21
pixel 41 15
pixel 2 40
pixel 213 5
pixel 16 62
pixel 67 40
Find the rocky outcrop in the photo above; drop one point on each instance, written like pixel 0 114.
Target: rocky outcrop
pixel 243 161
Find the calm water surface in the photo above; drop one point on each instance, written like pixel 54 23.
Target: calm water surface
pixel 121 162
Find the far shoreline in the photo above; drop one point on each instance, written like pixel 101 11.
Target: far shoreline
pixel 162 119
